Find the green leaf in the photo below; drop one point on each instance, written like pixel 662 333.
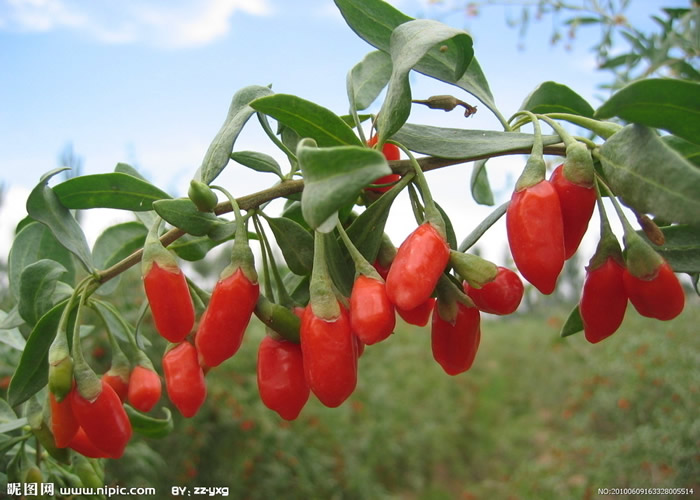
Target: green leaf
pixel 298 287
pixel 11 425
pixel 480 186
pixel 410 42
pixel 669 104
pixel 44 206
pixel 115 322
pixel 334 177
pixel 33 368
pixel 259 162
pixel 651 177
pixel 308 119
pixel 551 97
pixel 193 248
pixel 11 319
pixel 367 78
pixel 573 324
pixel 112 190
pixel 11 336
pixel 150 426
pixel 147 218
pixel 183 214
pixel 296 243
pixel 217 156
pixel 114 244
pixel 681 248
pixel 37 285
pixel 375 20
pixel 35 242
pixel 464 144
pixel 340 264
pixel 687 150
pixel 449 229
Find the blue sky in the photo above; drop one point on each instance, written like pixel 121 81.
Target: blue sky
pixel 149 82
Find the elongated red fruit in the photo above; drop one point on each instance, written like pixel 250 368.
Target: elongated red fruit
pixel 82 444
pixel 391 152
pixel 603 301
pixel 104 420
pixel 223 324
pixel 420 315
pixel 372 316
pixel 418 264
pixel 281 381
pixel 500 296
pixel 184 379
pixel 536 235
pixel 64 425
pixel 577 203
pixel 454 344
pixel 144 388
pixel 330 356
pixel 658 296
pixel 170 301
pixel 120 386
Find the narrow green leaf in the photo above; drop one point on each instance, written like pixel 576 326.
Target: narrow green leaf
pixel 296 243
pixel 464 144
pixel 681 248
pixel 551 97
pixel 333 177
pixel 11 319
pixel 449 228
pixel 33 368
pixel 149 426
pixel 11 336
pixel 367 78
pixel 193 248
pixel 298 287
pixel 112 190
pixel 147 218
pixel 483 226
pixel 651 177
pixel 217 156
pixel 44 206
pixel 687 150
pixel 259 162
pixel 480 186
pixel 114 244
pixel 11 425
pixel 669 104
pixel 409 43
pixel 340 264
pixel 573 324
pixel 37 285
pixel 7 414
pixel 183 214
pixel 308 119
pixel 35 242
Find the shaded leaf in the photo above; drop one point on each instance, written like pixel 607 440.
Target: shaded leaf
pixel 551 97
pixel 11 336
pixel 115 322
pixel 480 186
pixel 681 248
pixel 308 119
pixel 37 286
pixel 112 190
pixel 686 149
pixel 340 264
pixel 295 242
pixel 669 104
pixel 115 244
pixel 573 324
pixel 367 78
pixel 149 426
pixel 651 177
pixel 259 162
pixel 193 248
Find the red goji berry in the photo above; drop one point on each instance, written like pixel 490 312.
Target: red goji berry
pixel 144 388
pixel 223 324
pixel 500 296
pixel 536 235
pixel 658 296
pixel 170 301
pixel 391 152
pixel 454 343
pixel 120 386
pixel 330 356
pixel 64 425
pixel 420 315
pixel 418 264
pixel 603 301
pixel 372 316
pixel 577 203
pixel 184 379
pixel 281 381
pixel 82 444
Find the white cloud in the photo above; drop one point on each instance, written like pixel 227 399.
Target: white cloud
pixel 177 23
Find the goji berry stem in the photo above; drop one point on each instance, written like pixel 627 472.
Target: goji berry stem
pixel 361 265
pixel 535 168
pixel 323 301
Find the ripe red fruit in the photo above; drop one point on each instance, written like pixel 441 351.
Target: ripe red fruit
pixel 658 296
pixel 383 271
pixel 415 271
pixel 281 380
pixel 577 203
pixel 391 152
pixel 170 301
pixel 223 324
pixel 144 388
pixel 330 356
pixel 82 444
pixel 536 235
pixel 500 296
pixel 603 301
pixel 184 379
pixel 104 420
pixel 454 344
pixel 64 425
pixel 120 386
pixel 420 315
pixel 372 316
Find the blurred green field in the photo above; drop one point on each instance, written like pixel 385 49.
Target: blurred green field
pixel 536 417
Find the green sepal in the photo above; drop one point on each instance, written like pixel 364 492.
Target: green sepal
pixel 154 251
pixel 535 168
pixel 322 298
pixel 448 295
pixel 578 165
pixel 202 196
pixel 474 269
pixel 60 377
pixel 278 318
pixel 608 246
pixel 641 259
